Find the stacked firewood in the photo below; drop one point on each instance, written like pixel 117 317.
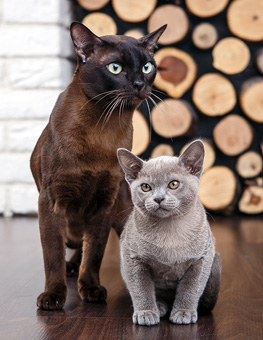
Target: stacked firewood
pixel 209 85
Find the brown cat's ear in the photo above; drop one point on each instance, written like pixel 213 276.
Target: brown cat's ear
pixel 84 40
pixel 193 157
pixel 150 40
pixel 130 164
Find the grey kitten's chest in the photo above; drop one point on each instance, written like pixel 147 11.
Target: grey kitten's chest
pixel 167 276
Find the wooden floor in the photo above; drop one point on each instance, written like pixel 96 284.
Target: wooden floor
pixel 238 314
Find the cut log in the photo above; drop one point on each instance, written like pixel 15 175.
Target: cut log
pixel 93 5
pixel 100 24
pixel 244 19
pixel 141 133
pixel 233 135
pixel 259 60
pixel 176 20
pixel 176 71
pixel 135 33
pixel 210 155
pixel 219 189
pixel 251 98
pixel 205 8
pixel 249 164
pixel 162 150
pixel 133 10
pixel 231 55
pixel 214 94
pixel 251 201
pixel 174 118
pixel 204 36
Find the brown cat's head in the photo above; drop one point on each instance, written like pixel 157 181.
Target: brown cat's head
pixel 115 68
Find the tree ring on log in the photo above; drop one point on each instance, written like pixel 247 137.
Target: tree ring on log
pixel 141 133
pixel 244 19
pixel 233 135
pixel 231 55
pixel 176 71
pixel 204 36
pixel 133 10
pixel 176 20
pixel 204 8
pixel 214 94
pixel 100 24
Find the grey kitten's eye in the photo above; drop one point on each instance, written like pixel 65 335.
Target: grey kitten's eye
pixel 147 67
pixel 145 187
pixel 173 185
pixel 114 68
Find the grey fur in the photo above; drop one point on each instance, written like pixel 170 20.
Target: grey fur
pixel 167 244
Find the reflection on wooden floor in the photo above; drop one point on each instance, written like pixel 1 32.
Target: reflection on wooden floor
pixel 237 315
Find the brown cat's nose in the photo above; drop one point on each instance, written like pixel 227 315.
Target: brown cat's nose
pixel 138 84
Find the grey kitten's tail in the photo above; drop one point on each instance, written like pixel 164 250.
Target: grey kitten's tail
pixel 209 297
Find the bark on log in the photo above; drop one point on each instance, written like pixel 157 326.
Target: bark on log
pixel 214 94
pixel 176 71
pixel 251 201
pixel 249 164
pixel 93 5
pixel 176 20
pixel 133 10
pixel 141 133
pixel 231 55
pixel 162 150
pixel 100 24
pixel 259 60
pixel 204 36
pixel 233 135
pixel 210 155
pixel 244 19
pixel 204 8
pixel 174 118
pixel 251 98
pixel 219 189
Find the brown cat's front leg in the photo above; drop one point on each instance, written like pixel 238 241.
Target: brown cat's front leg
pixel 51 227
pixel 94 242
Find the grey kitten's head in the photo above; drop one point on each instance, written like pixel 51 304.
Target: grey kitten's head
pixel 164 186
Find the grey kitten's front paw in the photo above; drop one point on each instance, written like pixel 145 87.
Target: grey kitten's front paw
pixel 183 316
pixel 145 318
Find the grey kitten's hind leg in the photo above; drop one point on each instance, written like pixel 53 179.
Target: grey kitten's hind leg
pixel 163 308
pixel 209 297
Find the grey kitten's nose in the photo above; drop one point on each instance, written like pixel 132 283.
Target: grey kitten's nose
pixel 138 84
pixel 158 199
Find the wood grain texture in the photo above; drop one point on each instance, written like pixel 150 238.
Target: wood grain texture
pixel 237 315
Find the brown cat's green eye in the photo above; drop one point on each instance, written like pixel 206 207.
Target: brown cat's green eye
pixel 114 68
pixel 145 187
pixel 173 185
pixel 147 67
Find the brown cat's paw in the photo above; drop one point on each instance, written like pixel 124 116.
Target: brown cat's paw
pixel 51 301
pixel 145 318
pixel 72 269
pixel 93 293
pixel 183 316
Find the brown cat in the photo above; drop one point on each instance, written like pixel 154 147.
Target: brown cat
pixel 74 163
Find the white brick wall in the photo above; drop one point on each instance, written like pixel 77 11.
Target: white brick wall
pixel 35 66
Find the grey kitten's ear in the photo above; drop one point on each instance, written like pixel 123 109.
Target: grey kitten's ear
pixel 130 164
pixel 150 40
pixel 193 157
pixel 84 40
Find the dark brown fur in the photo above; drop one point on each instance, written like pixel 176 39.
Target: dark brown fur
pixel 77 173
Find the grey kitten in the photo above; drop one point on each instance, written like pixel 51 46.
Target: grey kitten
pixel 167 245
